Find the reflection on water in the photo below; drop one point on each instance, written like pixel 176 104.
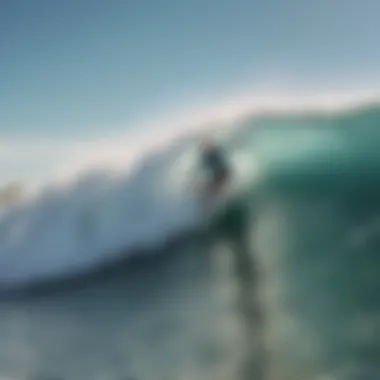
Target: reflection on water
pixel 321 291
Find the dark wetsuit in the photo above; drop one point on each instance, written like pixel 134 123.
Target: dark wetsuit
pixel 214 162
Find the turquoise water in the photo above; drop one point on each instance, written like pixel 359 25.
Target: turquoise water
pixel 314 232
pixel 316 240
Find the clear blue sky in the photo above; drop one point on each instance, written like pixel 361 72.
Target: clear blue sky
pixel 82 68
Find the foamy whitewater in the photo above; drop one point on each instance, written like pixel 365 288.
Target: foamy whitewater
pixel 100 215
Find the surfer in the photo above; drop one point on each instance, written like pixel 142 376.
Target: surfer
pixel 213 160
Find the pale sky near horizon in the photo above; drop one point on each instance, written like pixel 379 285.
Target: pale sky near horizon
pixel 84 68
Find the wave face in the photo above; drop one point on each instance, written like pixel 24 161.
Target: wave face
pixel 316 241
pixel 100 217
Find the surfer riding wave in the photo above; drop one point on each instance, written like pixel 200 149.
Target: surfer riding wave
pixel 214 162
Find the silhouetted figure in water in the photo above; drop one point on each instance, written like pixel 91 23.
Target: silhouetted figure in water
pixel 232 225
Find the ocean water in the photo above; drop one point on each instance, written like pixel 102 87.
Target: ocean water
pixel 124 276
